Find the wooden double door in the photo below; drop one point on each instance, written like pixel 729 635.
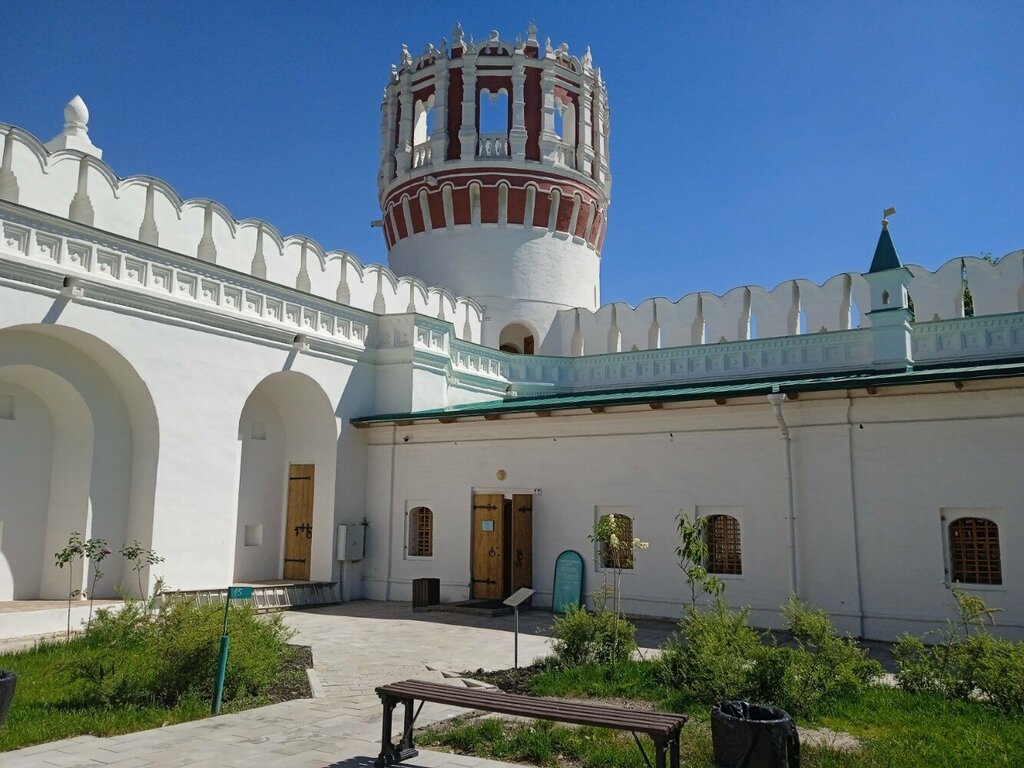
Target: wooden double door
pixel 502 545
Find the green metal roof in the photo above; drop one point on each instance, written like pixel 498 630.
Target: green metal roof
pixel 709 391
pixel 885 253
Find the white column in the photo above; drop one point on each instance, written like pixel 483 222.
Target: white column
pixel 403 152
pixel 585 143
pixel 467 132
pixel 388 137
pixel 439 134
pixel 517 136
pixel 548 137
pixel 601 135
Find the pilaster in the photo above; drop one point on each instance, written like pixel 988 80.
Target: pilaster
pixel 468 132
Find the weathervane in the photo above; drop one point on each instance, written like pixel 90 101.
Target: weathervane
pixel 885 217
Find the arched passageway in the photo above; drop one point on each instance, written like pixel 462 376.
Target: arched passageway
pixel 78 452
pixel 289 435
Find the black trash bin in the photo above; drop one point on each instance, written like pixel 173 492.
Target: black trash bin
pixel 425 592
pixel 8 682
pixel 746 735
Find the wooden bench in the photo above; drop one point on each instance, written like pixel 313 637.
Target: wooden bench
pixel 663 728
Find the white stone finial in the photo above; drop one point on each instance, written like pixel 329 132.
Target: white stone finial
pixel 495 37
pixel 457 36
pixel 531 32
pixel 76 117
pixel 76 131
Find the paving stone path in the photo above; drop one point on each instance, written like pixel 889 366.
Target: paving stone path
pixel 356 646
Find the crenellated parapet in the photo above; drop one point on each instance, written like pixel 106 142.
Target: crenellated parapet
pixel 67 178
pixel 793 307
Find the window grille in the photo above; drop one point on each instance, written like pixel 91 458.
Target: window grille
pixel 623 556
pixel 974 551
pixel 722 535
pixel 421 532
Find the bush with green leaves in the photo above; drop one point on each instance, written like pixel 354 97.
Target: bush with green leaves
pixel 133 657
pixel 714 654
pixel 968 662
pixel 717 656
pixel 598 637
pixel 823 667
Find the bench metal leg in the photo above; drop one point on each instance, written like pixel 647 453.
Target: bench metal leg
pixel 660 748
pixel 675 751
pixel 389 753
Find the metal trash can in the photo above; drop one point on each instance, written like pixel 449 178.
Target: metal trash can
pixel 425 592
pixel 8 682
pixel 746 735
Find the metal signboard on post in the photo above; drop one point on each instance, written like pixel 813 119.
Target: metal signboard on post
pixel 234 593
pixel 514 600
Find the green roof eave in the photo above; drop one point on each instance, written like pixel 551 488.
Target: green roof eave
pixel 624 397
pixel 885 254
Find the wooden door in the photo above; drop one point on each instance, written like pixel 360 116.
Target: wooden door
pixel 488 540
pixel 521 547
pixel 298 534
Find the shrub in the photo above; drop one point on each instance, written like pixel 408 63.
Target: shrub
pixel 601 637
pixel 824 666
pixel 135 658
pixel 714 655
pixel 968 663
pixel 717 656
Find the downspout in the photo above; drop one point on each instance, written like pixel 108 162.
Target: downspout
pixel 856 519
pixel 776 399
pixel 391 512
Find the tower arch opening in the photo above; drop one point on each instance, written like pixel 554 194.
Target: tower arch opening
pixel 518 339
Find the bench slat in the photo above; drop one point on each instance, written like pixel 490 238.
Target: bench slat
pixel 577 712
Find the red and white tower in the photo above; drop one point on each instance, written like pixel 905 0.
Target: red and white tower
pixel 494 180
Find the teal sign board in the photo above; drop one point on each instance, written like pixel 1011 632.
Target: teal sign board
pixel 239 593
pixel 568 581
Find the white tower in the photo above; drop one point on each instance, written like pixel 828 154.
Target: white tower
pixel 494 180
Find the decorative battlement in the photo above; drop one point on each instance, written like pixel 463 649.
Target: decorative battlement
pixel 792 308
pixel 67 178
pixel 536 117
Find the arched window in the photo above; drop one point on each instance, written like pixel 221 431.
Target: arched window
pixel 722 534
pixel 623 556
pixel 421 532
pixel 422 126
pixel 493 123
pixel 974 551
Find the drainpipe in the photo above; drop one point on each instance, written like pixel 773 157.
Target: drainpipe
pixel 776 399
pixel 856 517
pixel 391 512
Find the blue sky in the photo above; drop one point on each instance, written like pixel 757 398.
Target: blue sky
pixel 751 143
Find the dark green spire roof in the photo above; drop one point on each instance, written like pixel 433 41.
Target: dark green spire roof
pixel 885 253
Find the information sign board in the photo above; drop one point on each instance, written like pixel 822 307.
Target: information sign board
pixel 568 589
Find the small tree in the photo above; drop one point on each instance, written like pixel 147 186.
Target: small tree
pixel 141 558
pixel 95 552
pixel 67 555
pixel 692 553
pixel 615 553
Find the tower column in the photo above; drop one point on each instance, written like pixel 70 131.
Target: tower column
pixel 600 170
pixel 467 132
pixel 585 153
pixel 548 137
pixel 439 134
pixel 517 136
pixel 403 152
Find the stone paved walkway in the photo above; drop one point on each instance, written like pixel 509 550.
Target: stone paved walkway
pixel 356 646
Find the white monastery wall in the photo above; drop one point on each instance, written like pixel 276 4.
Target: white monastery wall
pixel 873 475
pixel 85 189
pixel 793 307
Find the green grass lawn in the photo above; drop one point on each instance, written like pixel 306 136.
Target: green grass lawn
pixel 48 707
pixel 897 729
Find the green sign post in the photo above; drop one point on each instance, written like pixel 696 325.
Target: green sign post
pixel 234 593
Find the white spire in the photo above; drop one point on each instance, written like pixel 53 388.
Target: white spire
pixel 76 131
